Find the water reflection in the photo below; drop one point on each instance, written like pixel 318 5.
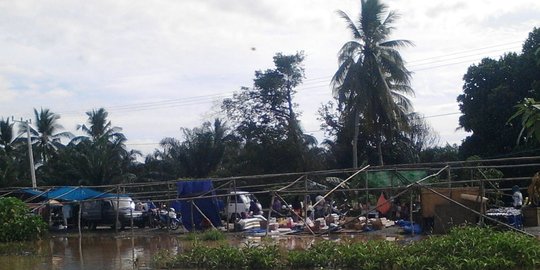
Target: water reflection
pixel 107 250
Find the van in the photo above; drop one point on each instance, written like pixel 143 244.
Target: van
pixel 103 212
pixel 238 203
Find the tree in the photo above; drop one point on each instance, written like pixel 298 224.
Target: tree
pixel 101 158
pixel 201 152
pixel 6 135
pixel 8 160
pixel 17 224
pixel 529 110
pixel 46 136
pixel 371 82
pixel 99 126
pixel 265 119
pixel 491 90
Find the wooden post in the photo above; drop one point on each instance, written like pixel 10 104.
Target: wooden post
pixel 131 220
pixel 482 203
pixel 306 197
pixel 449 177
pixel 204 216
pixel 270 212
pixel 367 195
pixel 117 223
pixel 411 213
pixel 79 219
pixel 227 202
pixel 192 217
pixel 235 203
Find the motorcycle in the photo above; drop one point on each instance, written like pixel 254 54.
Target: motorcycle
pixel 164 218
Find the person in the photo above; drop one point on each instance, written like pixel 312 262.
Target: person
pixel 309 208
pixel 254 208
pixel 517 197
pixel 66 213
pixel 320 206
pixel 276 206
pixel 297 208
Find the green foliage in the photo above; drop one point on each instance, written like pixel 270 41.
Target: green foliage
pixel 463 248
pixel 440 153
pixel 209 235
pixel 265 121
pixel 17 223
pixel 200 154
pixel 529 112
pixel 372 82
pixel 491 89
pixel 18 249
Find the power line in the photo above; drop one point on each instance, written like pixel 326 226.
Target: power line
pixel 317 131
pixel 309 84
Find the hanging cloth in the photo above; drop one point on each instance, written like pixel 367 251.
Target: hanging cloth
pixel 383 206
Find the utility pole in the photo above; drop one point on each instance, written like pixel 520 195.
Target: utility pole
pixel 30 153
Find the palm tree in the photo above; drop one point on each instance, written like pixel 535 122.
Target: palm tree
pixel 6 134
pixel 46 137
pixel 99 126
pixel 372 82
pixel 101 156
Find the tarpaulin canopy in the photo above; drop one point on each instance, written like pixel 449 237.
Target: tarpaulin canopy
pixel 70 194
pixel 191 217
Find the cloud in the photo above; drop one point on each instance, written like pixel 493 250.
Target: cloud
pixel 6 92
pixel 72 56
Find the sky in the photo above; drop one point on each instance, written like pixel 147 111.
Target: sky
pixel 157 66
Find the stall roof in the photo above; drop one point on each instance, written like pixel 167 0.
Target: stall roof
pixel 71 193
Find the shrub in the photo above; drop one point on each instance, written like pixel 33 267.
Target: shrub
pixel 17 223
pixel 462 248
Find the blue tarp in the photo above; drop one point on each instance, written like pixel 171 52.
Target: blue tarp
pixel 70 194
pixel 209 206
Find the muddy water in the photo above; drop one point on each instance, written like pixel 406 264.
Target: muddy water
pixel 107 250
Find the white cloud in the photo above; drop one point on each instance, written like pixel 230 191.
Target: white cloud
pixel 72 56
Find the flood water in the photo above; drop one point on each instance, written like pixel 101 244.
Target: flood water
pixel 127 250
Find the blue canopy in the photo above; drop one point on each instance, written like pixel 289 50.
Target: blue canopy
pixel 70 194
pixel 209 206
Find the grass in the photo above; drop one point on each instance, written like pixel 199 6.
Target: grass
pixel 210 235
pixel 462 249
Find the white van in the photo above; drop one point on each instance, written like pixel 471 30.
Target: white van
pixel 238 204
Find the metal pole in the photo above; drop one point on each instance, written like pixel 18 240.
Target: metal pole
pixel 30 152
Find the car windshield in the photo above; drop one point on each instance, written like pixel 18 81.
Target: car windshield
pixel 125 204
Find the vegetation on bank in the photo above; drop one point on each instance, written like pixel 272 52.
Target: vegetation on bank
pixel 209 235
pixel 462 248
pixel 17 223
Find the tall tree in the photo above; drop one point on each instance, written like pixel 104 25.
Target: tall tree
pixel 200 154
pixel 46 137
pixel 266 119
pixel 491 90
pixel 99 158
pixel 372 81
pixel 6 134
pixel 99 126
pixel 8 161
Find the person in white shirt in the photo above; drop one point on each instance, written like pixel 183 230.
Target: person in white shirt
pixel 517 197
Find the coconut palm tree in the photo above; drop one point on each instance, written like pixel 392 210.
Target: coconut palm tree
pixel 372 83
pixel 99 127
pixel 6 134
pixel 46 136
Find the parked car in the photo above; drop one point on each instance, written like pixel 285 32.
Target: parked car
pixel 237 204
pixel 103 212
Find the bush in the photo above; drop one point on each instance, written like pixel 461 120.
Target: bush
pixel 17 223
pixel 462 248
